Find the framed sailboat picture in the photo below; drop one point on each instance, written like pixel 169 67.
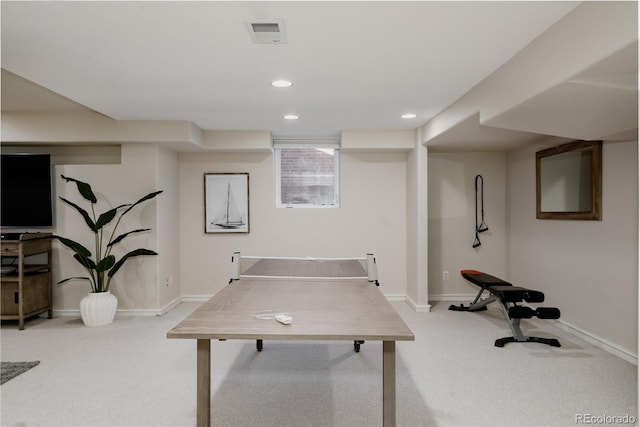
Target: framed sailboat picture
pixel 226 202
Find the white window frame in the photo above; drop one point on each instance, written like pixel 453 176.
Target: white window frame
pixel 336 175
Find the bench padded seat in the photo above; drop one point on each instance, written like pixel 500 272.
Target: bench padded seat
pixel 516 294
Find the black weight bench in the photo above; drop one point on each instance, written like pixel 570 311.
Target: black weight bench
pixel 509 297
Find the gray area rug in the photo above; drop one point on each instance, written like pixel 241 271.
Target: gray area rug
pixel 10 370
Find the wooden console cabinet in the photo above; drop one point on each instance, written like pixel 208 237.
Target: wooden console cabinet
pixel 26 292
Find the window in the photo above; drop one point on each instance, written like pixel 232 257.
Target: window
pixel 307 176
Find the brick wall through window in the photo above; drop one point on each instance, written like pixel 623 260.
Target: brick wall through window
pixel 307 176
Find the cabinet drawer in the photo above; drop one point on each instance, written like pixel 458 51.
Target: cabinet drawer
pixel 9 294
pixel 29 246
pixel 9 249
pixel 35 291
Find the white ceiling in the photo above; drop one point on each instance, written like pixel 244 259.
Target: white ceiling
pixel 355 65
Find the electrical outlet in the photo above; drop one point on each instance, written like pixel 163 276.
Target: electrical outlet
pixel 445 275
pixel 169 281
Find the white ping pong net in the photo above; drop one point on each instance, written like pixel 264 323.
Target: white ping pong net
pixel 304 268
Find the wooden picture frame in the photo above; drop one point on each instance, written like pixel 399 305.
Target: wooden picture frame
pixel 569 181
pixel 226 203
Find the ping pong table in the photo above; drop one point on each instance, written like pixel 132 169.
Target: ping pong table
pixel 327 299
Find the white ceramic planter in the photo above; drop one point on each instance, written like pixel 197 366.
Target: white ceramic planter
pixel 98 308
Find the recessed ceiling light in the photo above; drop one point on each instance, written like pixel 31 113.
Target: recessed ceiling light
pixel 291 116
pixel 408 116
pixel 281 83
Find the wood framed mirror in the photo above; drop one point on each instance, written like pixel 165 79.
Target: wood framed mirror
pixel 569 181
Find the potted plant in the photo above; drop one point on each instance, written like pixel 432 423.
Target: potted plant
pixel 99 306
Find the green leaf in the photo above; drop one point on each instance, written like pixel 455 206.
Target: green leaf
pixel 72 278
pixel 86 262
pixel 107 217
pixel 83 188
pixel 106 263
pixel 82 212
pixel 75 246
pixel 134 253
pixel 147 197
pixel 122 236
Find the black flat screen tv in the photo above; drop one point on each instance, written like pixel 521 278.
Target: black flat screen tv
pixel 26 186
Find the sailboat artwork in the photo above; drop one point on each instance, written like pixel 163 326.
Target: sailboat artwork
pixel 227 203
pixel 232 218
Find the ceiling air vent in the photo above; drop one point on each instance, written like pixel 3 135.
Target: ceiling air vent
pixel 271 31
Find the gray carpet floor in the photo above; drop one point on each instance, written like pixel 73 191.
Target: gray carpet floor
pixel 129 374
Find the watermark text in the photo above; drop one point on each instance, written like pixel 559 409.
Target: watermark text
pixel 605 419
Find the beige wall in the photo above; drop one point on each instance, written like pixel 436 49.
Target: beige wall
pixel 452 221
pixel 588 269
pixel 135 284
pixel 371 218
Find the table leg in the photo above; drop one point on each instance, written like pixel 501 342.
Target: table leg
pixel 204 383
pixel 389 383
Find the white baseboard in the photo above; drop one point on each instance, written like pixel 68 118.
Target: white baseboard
pixel 453 297
pixel 600 342
pixel 167 308
pixel 125 312
pixel 419 308
pixel 66 313
pixel 196 298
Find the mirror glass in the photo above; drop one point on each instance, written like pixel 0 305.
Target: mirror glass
pixel 568 181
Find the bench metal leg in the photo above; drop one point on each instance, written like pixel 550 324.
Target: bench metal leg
pixel 478 304
pixel 518 336
pixel 514 324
